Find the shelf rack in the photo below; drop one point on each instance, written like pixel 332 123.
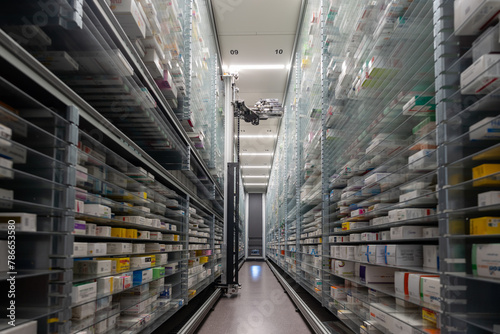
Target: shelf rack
pixel 90 121
pixel 353 123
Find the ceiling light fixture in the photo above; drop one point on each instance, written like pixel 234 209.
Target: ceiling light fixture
pixel 255 184
pixel 256 67
pixel 255 176
pixel 261 167
pixel 257 136
pixel 247 153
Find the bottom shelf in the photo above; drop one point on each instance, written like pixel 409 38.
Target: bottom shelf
pixel 198 288
pixel 147 323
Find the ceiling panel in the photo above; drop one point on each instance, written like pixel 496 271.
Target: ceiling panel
pixel 256 160
pixel 256 49
pixel 262 82
pixel 240 17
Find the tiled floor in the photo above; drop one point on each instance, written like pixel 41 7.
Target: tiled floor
pixel 261 307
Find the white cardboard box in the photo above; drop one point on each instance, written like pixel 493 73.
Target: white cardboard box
pixel 414 285
pixel 97 210
pixel 430 232
pixel 486 129
pixel 373 274
pixel 143 235
pixel 80 249
pixel 488 198
pixel 6 168
pixel 131 17
pixel 423 160
pixel 132 219
pixel 161 259
pixel 380 220
pixel 97 248
pixel 431 256
pixel 486 260
pixel 404 255
pixel 83 311
pixel 338 292
pixel 79 206
pixel 347 252
pixel 79 227
pixel 155 235
pixel 363 254
pixel 369 236
pixel 22 221
pixel 482 76
pixel 140 262
pixel 119 248
pixel 385 235
pixel 376 254
pixel 90 229
pixel 87 267
pixel 401 282
pixel 105 285
pixel 153 63
pixel 406 232
pixel 431 290
pixel 382 318
pixel 471 16
pixel 103 231
pixel 403 322
pixel 344 268
pixel 355 237
pixel 139 248
pixel 84 292
pixel 410 213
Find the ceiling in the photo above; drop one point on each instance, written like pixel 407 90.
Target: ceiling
pixel 257 32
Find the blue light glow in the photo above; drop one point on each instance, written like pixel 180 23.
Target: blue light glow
pixel 255 272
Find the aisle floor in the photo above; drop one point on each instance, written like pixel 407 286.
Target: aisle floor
pixel 261 307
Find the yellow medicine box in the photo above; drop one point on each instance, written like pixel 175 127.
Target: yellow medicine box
pixel 346 226
pixel 485 225
pixel 429 315
pixel 119 264
pixel 203 259
pixel 118 232
pixel 485 170
pixel 131 233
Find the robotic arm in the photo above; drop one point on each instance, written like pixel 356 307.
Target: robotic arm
pixel 248 114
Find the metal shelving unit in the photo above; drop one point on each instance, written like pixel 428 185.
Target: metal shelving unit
pixel 396 135
pixel 92 120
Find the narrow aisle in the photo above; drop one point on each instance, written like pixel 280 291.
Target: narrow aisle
pixel 261 307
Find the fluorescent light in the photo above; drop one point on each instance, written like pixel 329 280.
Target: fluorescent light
pixel 255 184
pixel 255 176
pixel 256 167
pixel 247 153
pixel 257 136
pixel 257 67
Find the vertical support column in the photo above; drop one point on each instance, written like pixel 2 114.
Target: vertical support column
pixel 285 199
pixel 228 158
pixel 324 177
pixel 188 59
pixel 64 243
pixel 231 229
pixel 453 289
pixel 213 107
pixel 185 254
pixel 212 246
pixel 297 170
